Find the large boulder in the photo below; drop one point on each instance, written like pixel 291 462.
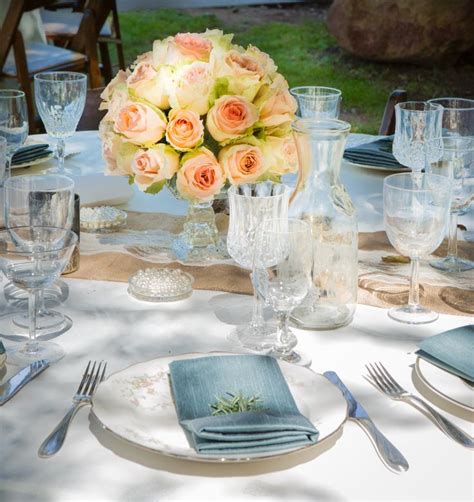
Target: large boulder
pixel 416 31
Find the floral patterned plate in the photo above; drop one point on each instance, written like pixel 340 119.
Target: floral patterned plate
pixel 136 405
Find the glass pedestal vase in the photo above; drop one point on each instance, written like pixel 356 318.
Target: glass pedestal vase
pixel 199 242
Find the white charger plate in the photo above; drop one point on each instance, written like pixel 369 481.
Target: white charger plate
pixel 375 168
pixel 136 404
pixel 445 385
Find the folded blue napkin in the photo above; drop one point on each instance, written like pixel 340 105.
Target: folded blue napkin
pixel 30 153
pixel 377 153
pixel 452 350
pixel 276 424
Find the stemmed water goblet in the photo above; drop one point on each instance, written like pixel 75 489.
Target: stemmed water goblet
pixel 60 98
pixel 458 116
pixel 33 258
pixel 13 123
pixel 42 200
pixel 415 216
pixel 249 204
pixel 417 123
pixel 318 103
pixel 455 160
pixel 283 264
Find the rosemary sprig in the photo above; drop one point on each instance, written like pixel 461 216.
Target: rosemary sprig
pixel 235 403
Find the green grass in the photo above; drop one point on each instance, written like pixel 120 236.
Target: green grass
pixel 307 54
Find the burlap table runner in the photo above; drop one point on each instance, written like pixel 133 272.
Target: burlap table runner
pixel 114 257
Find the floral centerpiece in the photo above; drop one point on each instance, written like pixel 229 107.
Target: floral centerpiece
pixel 198 113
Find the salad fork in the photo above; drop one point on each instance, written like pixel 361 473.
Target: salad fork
pixel 90 381
pixel 381 379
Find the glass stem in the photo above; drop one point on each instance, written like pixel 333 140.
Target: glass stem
pixel 257 313
pixel 32 344
pixel 453 236
pixel 40 306
pixel 282 344
pixel 8 166
pixel 414 294
pixel 60 153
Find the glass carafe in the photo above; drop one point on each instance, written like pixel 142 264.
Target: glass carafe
pixel 323 201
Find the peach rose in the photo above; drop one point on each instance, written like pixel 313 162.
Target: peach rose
pixel 141 124
pixel 193 45
pixel 242 163
pixel 200 177
pixel 158 163
pixel 185 130
pixel 230 118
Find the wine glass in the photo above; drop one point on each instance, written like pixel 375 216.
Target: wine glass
pixel 316 102
pixel 458 115
pixel 417 122
pixel 33 258
pixel 60 98
pixel 283 264
pixel 249 204
pixel 456 161
pixel 13 122
pixel 415 215
pixel 41 200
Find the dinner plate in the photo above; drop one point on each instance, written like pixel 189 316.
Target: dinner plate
pixel 375 168
pixel 136 404
pixel 445 385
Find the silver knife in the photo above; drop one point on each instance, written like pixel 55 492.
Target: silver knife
pixel 16 382
pixel 390 456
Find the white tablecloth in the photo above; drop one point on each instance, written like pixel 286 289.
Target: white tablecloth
pixel 110 325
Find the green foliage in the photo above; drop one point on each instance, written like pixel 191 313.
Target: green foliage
pixel 156 187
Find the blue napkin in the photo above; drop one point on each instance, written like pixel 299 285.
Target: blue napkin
pixel 452 350
pixel 377 153
pixel 277 424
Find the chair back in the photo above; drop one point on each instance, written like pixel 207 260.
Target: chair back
pixel 91 116
pixel 387 127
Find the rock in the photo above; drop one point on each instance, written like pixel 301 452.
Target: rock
pixel 414 31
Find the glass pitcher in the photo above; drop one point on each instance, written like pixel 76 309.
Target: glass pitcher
pixel 323 201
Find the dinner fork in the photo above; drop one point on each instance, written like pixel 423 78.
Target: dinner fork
pixel 91 379
pixel 381 379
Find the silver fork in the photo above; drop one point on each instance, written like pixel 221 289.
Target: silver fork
pixel 90 381
pixel 381 379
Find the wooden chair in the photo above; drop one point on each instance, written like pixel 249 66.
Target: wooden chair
pixel 29 59
pixel 61 25
pixel 387 126
pixel 92 115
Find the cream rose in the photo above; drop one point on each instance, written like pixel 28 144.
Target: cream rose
pixel 147 83
pixel 242 163
pixel 158 163
pixel 111 143
pixel 119 80
pixel 200 177
pixel 192 87
pixel 180 49
pixel 230 118
pixel 185 130
pixel 281 155
pixel 242 72
pixel 140 124
pixel 277 105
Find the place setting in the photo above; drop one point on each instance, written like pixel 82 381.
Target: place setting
pixel 218 304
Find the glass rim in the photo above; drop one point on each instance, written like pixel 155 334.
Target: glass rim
pixel 234 188
pixel 327 126
pixel 467 108
pixel 441 179
pixel 405 104
pixel 304 226
pixel 77 76
pixel 439 143
pixel 331 92
pixel 11 93
pixel 13 180
pixel 7 231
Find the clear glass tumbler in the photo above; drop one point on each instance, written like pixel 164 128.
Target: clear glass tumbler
pixel 318 103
